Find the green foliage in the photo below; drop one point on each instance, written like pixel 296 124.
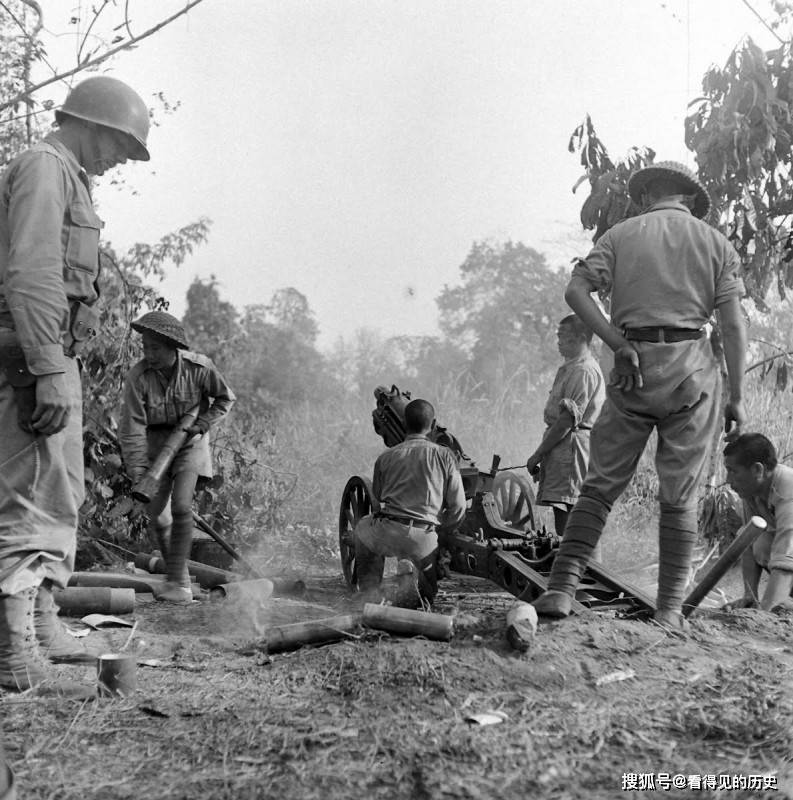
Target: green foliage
pixel 209 322
pixel 108 510
pixel 741 130
pixel 504 314
pixel 18 47
pixel 608 202
pixel 369 359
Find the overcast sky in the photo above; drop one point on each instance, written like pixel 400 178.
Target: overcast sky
pixel 354 149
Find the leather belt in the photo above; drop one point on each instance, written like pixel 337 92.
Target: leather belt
pixel 662 334
pixel 411 523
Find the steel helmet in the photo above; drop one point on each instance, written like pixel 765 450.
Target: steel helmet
pixel 110 102
pixel 163 325
pixel 674 171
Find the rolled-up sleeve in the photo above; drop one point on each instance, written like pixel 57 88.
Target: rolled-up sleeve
pixel 132 428
pixel 579 389
pixel 598 267
pixel 33 282
pixel 729 283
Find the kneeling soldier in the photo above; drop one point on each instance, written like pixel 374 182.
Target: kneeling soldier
pixel 766 487
pixel 419 488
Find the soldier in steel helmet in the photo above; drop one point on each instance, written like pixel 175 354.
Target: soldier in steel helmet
pixel 49 268
pixel 667 271
pixel 166 383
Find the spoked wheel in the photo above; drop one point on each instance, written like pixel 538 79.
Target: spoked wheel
pixel 356 501
pixel 515 498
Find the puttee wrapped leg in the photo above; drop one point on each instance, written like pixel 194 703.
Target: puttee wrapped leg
pixel 582 533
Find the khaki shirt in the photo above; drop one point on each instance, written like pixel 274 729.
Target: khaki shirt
pixel 776 543
pixel 420 480
pixel 579 389
pixel 151 399
pixel 49 250
pixel 663 268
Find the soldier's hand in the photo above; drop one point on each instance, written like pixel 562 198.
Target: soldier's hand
pixel 734 418
pixel 198 428
pixel 533 465
pixel 626 374
pixel 52 404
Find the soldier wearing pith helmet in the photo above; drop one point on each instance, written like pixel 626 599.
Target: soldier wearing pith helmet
pixel 49 270
pixel 667 271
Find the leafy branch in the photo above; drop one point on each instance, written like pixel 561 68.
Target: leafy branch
pixel 25 95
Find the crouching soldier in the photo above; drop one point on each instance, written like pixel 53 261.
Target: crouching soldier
pixel 766 489
pixel 419 489
pixel 166 383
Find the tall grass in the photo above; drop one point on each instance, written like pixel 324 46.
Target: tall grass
pixel 319 445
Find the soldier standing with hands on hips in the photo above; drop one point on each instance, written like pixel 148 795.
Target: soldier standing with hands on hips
pixel 667 271
pixel 49 266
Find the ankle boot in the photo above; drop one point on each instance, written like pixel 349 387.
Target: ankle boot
pixel 21 663
pixel 22 666
pixel 55 641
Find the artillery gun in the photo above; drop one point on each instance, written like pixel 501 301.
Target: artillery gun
pixel 499 538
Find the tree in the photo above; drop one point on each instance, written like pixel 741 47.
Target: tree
pixel 741 130
pixel 210 323
pixel 504 313
pixel 277 359
pixel 93 47
pixel 127 281
pixel 608 202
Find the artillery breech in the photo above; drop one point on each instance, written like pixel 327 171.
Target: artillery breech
pixel 147 486
pixel 744 538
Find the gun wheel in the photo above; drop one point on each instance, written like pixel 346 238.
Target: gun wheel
pixel 515 499
pixel 356 502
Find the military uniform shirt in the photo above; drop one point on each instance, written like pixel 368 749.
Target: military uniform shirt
pixel 49 250
pixel 153 402
pixel 579 389
pixel 689 269
pixel 416 478
pixel 774 547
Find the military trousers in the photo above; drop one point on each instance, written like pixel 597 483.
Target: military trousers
pixel 41 490
pixel 680 401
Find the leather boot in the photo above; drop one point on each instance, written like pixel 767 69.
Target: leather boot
pixel 55 641
pixel 22 666
pixel 21 663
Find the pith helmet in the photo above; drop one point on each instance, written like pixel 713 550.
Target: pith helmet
pixel 110 102
pixel 671 171
pixel 163 325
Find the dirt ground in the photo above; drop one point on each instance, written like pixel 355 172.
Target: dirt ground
pixel 599 704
